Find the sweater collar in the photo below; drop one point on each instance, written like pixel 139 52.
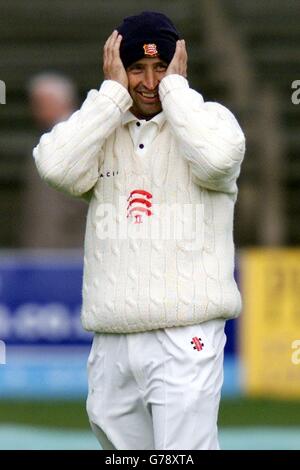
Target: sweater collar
pixel 159 119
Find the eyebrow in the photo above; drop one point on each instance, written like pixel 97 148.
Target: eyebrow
pixel 138 64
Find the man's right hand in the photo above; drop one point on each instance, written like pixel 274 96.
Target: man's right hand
pixel 113 67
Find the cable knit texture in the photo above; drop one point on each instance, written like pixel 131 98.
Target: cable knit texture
pixel 137 283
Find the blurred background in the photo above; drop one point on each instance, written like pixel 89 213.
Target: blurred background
pixel 242 53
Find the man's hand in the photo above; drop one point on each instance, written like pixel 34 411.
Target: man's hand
pixel 178 64
pixel 113 67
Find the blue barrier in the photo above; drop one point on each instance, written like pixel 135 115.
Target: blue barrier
pixel 40 299
pixel 46 346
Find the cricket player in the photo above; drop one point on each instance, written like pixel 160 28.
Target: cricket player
pixel 158 166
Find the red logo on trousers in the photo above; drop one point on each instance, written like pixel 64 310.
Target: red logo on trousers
pixel 197 343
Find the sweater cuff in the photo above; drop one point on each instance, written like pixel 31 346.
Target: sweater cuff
pixel 117 93
pixel 171 82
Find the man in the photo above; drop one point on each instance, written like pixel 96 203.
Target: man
pixel 50 219
pixel 53 97
pixel 156 298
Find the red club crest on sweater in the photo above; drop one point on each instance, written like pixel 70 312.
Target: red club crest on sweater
pixel 139 204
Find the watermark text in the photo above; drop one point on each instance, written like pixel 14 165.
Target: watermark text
pixel 296 94
pixel 138 220
pixel 296 353
pixel 2 352
pixel 2 92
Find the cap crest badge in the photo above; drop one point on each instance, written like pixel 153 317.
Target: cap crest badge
pixel 150 50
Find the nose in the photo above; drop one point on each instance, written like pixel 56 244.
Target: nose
pixel 150 80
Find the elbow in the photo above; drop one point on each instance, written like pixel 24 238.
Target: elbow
pixel 72 183
pixel 41 163
pixel 219 170
pixel 239 147
pixel 235 144
pixel 218 161
pixel 47 169
pixel 75 178
pixel 230 157
pixel 226 143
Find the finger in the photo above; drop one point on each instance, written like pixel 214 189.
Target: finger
pixel 182 55
pixel 185 59
pixel 105 51
pixel 181 48
pixel 108 40
pixel 182 58
pixel 178 48
pixel 184 51
pixel 110 45
pixel 176 53
pixel 114 38
pixel 106 46
pixel 181 51
pixel 116 47
pixel 177 59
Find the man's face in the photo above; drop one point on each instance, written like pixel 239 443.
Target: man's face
pixel 144 77
pixel 49 105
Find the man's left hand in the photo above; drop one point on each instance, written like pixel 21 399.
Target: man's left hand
pixel 178 64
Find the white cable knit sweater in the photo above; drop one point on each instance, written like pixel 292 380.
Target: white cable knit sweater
pixel 159 246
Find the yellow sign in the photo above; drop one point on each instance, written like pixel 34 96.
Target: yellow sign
pixel 270 322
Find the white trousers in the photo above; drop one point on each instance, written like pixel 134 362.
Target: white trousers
pixel 158 389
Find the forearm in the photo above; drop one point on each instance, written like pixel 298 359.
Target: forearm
pixel 210 136
pixel 68 157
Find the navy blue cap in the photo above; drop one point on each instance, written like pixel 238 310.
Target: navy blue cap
pixel 149 34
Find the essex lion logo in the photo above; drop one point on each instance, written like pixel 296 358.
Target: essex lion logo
pixel 150 50
pixel 139 204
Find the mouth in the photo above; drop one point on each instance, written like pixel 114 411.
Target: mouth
pixel 148 97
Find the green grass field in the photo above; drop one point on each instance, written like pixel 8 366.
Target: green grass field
pixel 72 415
pixel 60 425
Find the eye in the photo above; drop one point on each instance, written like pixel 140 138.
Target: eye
pixel 161 67
pixel 136 68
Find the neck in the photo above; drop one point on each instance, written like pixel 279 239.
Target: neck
pixel 146 117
